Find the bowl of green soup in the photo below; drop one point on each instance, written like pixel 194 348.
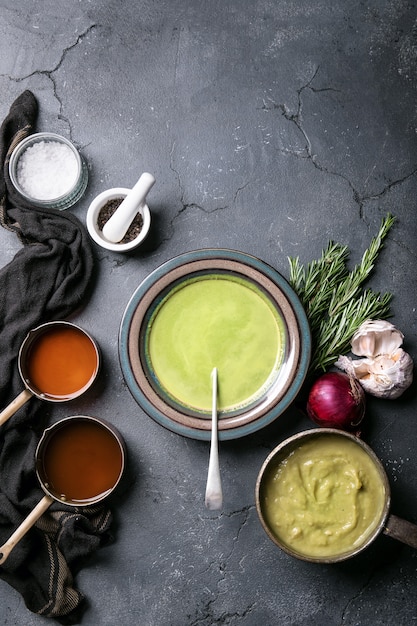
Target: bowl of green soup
pixel 214 308
pixel 323 496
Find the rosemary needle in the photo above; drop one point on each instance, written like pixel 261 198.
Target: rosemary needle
pixel 334 299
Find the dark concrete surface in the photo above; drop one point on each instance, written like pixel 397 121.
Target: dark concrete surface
pixel 271 126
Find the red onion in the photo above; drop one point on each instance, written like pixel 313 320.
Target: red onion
pixel 336 400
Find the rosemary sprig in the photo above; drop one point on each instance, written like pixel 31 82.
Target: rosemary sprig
pixel 333 298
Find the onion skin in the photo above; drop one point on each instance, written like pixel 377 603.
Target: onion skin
pixel 336 400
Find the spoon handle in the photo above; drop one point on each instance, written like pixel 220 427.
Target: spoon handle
pixel 214 494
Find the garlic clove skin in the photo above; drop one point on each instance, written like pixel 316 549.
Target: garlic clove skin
pixel 358 368
pixel 385 376
pixel 376 337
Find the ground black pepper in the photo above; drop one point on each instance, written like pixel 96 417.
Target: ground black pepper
pixel 107 211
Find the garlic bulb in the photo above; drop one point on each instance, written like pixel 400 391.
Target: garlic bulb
pixel 376 337
pixel 387 370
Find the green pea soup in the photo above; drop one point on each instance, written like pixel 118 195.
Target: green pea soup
pixel 215 320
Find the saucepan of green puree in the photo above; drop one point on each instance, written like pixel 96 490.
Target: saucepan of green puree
pixel 323 496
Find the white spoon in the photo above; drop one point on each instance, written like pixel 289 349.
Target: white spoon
pixel 116 227
pixel 214 494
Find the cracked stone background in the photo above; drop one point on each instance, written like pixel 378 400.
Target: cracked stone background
pixel 271 126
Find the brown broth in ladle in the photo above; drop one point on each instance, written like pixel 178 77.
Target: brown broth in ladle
pixel 82 461
pixel 61 362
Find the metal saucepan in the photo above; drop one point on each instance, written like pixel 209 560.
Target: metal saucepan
pixel 58 361
pixel 80 461
pixel 290 517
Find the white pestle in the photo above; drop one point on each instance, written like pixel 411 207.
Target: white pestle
pixel 116 227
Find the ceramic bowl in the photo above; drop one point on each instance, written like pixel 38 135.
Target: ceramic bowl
pixel 97 235
pixel 273 394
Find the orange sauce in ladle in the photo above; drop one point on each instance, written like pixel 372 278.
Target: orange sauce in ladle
pixel 82 462
pixel 61 362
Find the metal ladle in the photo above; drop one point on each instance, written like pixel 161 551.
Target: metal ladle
pixel 95 455
pixel 214 494
pixel 30 390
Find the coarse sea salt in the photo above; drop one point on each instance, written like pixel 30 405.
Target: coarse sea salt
pixel 47 170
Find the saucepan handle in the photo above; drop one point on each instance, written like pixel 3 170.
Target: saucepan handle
pixel 27 523
pixel 402 530
pixel 15 405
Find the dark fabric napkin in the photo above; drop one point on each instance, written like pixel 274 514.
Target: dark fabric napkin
pixel 49 278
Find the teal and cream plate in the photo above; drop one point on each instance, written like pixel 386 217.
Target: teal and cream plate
pixel 214 308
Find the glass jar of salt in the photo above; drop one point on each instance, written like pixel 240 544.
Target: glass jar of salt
pixel 48 171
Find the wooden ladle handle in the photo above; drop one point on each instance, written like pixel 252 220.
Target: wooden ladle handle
pixel 15 405
pixel 27 523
